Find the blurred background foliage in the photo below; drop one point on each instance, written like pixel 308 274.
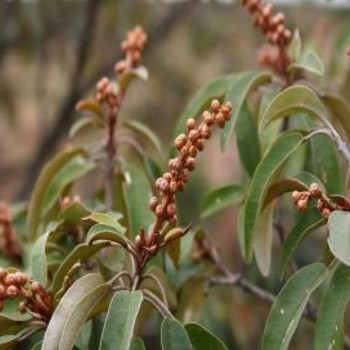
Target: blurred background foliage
pixel 53 52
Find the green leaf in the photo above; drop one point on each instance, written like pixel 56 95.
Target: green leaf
pixel 237 94
pixel 326 165
pixel 126 78
pixel 84 336
pixel 339 236
pixel 281 187
pixel 137 344
pixel 70 172
pixel 267 169
pixel 137 192
pixel 289 305
pixel 293 100
pixel 74 294
pixel 247 139
pixel 215 88
pixel 263 240
pixel 38 257
pixel 80 312
pixel 106 232
pixel 46 177
pixel 339 110
pixel 308 222
pixel 80 253
pixel 74 213
pixel 85 123
pixel 110 219
pixel 120 320
pixel 309 62
pixel 308 179
pixel 332 310
pixel 174 336
pixel 145 133
pixel 221 198
pixel 294 48
pixel 202 339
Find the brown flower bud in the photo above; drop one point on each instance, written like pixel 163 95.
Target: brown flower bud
pixel 171 209
pixel 180 141
pixel 167 176
pixel 192 151
pixel 215 105
pixel 326 212
pixel 164 186
pixel 220 119
pixel 208 118
pixel 153 202
pixel 199 144
pixel 302 204
pixel 3 273
pixel 11 291
pixel 296 196
pixel 190 163
pixel 193 134
pixel 315 190
pixel 159 211
pixel 205 132
pixel 36 288
pixel 172 187
pixel 10 279
pixel 191 124
pixel 2 292
pixel 173 220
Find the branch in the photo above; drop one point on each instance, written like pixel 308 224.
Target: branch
pixel 65 114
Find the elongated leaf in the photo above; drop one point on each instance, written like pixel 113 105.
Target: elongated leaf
pixel 106 232
pixel 144 132
pixel 83 339
pixel 339 236
pixel 73 170
pixel 137 344
pixel 294 48
pixel 309 62
pixel 248 139
pixel 308 179
pixel 38 257
pixel 80 312
pixel 110 219
pixel 83 123
pixel 120 320
pixel 340 111
pixel 74 213
pixel 126 78
pixel 332 310
pixel 174 336
pixel 283 186
pixel 70 299
pixel 222 198
pixel 326 165
pixel 289 305
pixel 293 100
pixel 41 186
pixel 215 88
pixel 270 165
pixel 203 339
pixel 137 193
pixel 80 253
pixel 308 222
pixel 238 93
pixel 263 240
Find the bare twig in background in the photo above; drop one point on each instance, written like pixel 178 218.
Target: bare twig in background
pixel 65 114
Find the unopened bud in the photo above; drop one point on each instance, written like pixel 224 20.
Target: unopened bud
pixel 11 291
pixel 296 195
pixel 153 202
pixel 215 105
pixel 326 212
pixel 22 307
pixel 315 190
pixel 302 204
pixel 191 124
pixel 190 163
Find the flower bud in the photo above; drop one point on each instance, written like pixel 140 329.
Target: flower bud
pixel 190 163
pixel 153 202
pixel 171 209
pixel 10 279
pixel 208 118
pixel 192 151
pixel 11 291
pixel 302 204
pixel 3 273
pixel 296 196
pixel 326 212
pixel 159 211
pixel 215 105
pixel 191 124
pixel 315 190
pixel 180 141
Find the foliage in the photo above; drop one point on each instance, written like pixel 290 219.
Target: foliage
pixel 98 270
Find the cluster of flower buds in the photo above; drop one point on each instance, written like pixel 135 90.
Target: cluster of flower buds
pixel 33 297
pixel 9 245
pixel 271 25
pixel 132 47
pixel 324 204
pixel 106 93
pixel 188 145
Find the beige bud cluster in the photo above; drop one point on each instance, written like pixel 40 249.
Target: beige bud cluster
pixel 324 204
pixel 188 145
pixel 33 297
pixel 106 92
pixel 132 47
pixel 272 25
pixel 9 245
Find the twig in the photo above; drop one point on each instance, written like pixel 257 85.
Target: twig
pixel 158 305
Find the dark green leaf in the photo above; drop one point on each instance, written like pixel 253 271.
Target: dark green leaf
pixel 137 344
pixel 339 236
pixel 174 336
pixel 203 339
pixel 74 213
pixel 120 320
pixel 289 306
pixel 267 169
pixel 332 310
pixel 308 222
pixel 222 198
pixel 238 93
pixel 247 139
